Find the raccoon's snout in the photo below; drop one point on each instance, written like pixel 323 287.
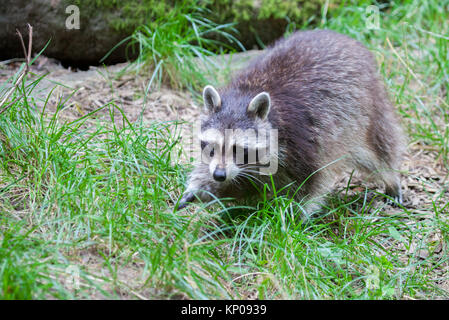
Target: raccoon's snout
pixel 219 174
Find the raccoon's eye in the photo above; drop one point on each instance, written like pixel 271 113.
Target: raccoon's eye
pixel 204 145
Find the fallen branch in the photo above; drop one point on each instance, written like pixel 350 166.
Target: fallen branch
pixel 24 71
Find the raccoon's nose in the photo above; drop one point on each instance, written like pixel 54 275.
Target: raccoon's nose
pixel 220 174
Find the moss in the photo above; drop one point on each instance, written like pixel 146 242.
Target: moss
pixel 132 13
pixel 245 10
pixel 262 21
pixel 249 15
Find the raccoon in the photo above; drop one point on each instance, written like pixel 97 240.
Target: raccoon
pixel 320 93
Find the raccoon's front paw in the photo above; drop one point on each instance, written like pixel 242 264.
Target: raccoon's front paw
pixel 186 199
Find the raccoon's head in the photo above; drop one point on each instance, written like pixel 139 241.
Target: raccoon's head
pixel 236 142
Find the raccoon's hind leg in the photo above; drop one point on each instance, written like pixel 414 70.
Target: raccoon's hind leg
pixel 393 186
pixel 381 172
pixel 386 140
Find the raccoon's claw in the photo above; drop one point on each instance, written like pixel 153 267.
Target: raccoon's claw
pixel 185 200
pixel 397 197
pixel 395 202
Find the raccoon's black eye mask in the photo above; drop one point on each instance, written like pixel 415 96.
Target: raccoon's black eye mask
pixel 211 148
pixel 235 149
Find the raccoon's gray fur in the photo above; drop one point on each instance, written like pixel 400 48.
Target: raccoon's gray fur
pixel 322 92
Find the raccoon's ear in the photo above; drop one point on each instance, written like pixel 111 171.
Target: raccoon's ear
pixel 260 105
pixel 211 98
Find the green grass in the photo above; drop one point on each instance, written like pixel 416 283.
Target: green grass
pixel 179 47
pixel 91 200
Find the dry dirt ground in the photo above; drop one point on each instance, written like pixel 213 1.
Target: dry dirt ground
pixel 425 175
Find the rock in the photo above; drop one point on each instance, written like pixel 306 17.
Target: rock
pixel 261 22
pixel 81 47
pixel 258 32
pixel 103 24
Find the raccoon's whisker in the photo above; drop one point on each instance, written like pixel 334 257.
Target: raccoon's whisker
pixel 257 181
pixel 250 176
pixel 250 166
pixel 251 171
pixel 236 181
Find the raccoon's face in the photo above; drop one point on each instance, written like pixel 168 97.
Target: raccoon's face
pixel 235 142
pixel 234 133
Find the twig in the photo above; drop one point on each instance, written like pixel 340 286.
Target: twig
pixel 404 63
pixel 5 62
pixel 24 71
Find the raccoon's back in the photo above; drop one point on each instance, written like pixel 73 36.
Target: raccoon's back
pixel 321 71
pixel 318 59
pixel 325 93
pixel 323 87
